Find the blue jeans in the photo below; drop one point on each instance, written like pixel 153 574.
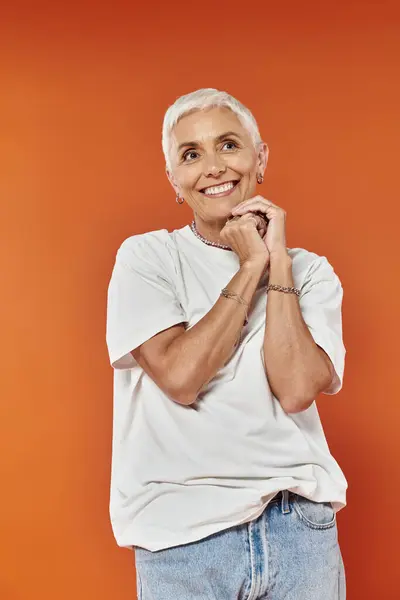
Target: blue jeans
pixel 290 552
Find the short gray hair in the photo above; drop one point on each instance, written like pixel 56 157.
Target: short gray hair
pixel 201 99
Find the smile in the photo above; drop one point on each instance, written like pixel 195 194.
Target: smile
pixel 220 190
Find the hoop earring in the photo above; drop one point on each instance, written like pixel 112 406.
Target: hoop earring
pixel 177 199
pixel 260 178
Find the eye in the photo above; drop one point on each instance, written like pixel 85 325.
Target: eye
pixel 187 153
pixel 186 156
pixel 230 142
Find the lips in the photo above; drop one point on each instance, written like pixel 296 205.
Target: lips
pixel 234 181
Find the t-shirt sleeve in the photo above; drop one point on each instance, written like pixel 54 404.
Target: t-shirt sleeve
pixel 321 307
pixel 141 301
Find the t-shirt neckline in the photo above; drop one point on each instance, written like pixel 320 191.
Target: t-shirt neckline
pixel 226 258
pixel 212 251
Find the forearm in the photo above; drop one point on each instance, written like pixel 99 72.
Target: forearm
pixel 194 357
pixel 294 365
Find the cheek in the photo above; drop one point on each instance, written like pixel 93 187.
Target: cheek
pixel 244 164
pixel 188 179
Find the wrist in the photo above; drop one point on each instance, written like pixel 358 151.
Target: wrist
pixel 280 272
pixel 255 265
pixel 280 256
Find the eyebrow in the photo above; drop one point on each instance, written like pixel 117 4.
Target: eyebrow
pixel 217 139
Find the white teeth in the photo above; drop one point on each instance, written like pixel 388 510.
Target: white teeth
pixel 220 188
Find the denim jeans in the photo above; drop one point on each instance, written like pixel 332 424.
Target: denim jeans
pixel 290 552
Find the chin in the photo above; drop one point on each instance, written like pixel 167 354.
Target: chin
pixel 221 211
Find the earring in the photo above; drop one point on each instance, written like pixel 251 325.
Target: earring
pixel 177 199
pixel 260 178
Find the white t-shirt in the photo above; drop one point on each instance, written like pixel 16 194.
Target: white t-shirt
pixel 181 473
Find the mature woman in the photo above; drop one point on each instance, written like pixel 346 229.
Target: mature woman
pixel 221 337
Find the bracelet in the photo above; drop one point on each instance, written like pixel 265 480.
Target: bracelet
pixel 232 296
pixel 287 290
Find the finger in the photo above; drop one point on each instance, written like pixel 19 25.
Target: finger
pixel 262 215
pixel 257 205
pixel 258 220
pixel 246 216
pixel 235 218
pixel 255 199
pixel 264 211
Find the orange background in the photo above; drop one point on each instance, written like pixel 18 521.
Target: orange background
pixel 83 93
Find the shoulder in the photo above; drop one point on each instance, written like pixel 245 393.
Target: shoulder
pixel 150 243
pixel 309 265
pixel 156 239
pixel 302 259
pixel 152 250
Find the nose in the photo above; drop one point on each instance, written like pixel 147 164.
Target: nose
pixel 214 166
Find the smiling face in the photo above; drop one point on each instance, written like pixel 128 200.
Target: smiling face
pixel 214 164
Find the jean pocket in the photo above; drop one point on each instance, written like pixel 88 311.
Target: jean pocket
pixel 316 515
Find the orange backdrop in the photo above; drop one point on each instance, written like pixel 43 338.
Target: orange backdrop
pixel 83 93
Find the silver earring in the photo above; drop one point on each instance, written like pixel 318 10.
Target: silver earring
pixel 177 199
pixel 260 178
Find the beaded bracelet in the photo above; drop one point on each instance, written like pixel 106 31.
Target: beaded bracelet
pixel 288 290
pixel 228 294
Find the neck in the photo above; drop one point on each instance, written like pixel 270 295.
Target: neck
pixel 210 230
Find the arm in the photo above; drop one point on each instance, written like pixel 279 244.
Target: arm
pixel 182 362
pixel 297 369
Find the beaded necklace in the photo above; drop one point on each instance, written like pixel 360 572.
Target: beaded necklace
pixel 205 241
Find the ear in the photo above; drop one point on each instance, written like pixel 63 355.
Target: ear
pixel 263 154
pixel 172 181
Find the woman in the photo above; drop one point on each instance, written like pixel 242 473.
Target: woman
pixel 221 338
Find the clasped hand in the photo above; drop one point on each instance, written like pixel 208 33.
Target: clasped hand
pixel 259 232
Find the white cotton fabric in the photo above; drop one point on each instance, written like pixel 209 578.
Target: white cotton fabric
pixel 181 473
